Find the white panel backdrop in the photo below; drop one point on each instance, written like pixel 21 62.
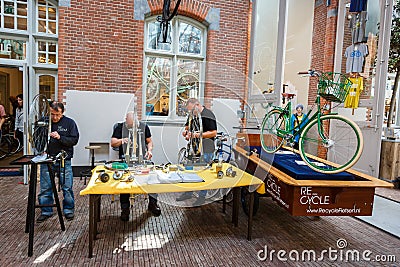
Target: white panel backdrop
pixel 95 114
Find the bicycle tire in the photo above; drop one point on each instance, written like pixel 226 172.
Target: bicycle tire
pixel 270 139
pixel 15 145
pixel 5 147
pixel 245 199
pixel 343 148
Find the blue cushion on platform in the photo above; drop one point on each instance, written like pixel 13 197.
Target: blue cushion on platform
pixel 286 163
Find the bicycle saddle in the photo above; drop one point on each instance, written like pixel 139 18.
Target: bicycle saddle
pixel 288 95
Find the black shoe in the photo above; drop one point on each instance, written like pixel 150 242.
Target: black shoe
pixel 42 218
pixel 124 215
pixel 154 208
pixel 69 216
pixel 184 196
pixel 200 201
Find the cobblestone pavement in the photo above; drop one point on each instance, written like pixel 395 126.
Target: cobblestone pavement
pixel 202 236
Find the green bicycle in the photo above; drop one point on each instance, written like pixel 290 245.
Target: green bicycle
pixel 323 150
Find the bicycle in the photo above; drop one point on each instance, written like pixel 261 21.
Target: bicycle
pixel 317 144
pixel 223 154
pixel 191 154
pixel 8 144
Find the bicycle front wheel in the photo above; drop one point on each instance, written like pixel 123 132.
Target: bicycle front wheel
pixel 341 147
pixel 271 140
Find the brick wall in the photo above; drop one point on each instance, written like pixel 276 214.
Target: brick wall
pixel 101 46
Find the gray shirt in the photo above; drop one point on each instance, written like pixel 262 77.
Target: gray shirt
pixel 355 57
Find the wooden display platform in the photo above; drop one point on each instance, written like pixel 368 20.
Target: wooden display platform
pixel 310 197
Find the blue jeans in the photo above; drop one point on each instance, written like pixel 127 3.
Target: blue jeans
pixel 46 193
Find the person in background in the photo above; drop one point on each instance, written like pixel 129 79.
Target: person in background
pixel 64 136
pixel 298 119
pixel 2 118
pixel 119 139
pixel 209 124
pixel 19 120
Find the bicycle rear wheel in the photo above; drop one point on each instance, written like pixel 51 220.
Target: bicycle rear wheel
pixel 342 147
pixel 272 122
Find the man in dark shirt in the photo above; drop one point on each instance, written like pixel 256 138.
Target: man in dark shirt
pixel 63 137
pixel 120 139
pixel 209 125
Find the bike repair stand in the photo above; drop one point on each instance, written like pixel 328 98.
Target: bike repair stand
pixel 30 211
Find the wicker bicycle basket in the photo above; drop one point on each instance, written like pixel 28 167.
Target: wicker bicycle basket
pixel 333 86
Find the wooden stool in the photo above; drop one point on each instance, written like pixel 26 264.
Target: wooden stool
pixel 88 173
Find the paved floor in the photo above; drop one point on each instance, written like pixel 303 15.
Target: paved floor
pixel 201 236
pixel 385 215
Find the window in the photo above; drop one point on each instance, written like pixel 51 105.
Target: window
pixel 14 14
pixel 47 86
pixel 46 17
pixel 173 69
pixel 47 52
pixel 12 49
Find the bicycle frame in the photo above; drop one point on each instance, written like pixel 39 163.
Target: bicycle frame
pixel 292 132
pixel 221 151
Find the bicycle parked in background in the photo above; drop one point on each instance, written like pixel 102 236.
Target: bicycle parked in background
pixel 342 147
pixel 8 144
pixel 223 154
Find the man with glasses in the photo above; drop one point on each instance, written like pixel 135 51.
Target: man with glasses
pixel 64 136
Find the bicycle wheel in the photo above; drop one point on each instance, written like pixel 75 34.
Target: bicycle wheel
pixel 342 147
pixel 245 199
pixel 15 144
pixel 5 147
pixel 271 140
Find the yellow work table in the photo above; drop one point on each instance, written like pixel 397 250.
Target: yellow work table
pixel 147 183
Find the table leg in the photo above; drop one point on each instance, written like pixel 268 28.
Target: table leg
pixel 91 223
pixel 224 204
pixel 235 208
pixel 31 207
pixel 250 219
pixel 56 199
pixel 31 198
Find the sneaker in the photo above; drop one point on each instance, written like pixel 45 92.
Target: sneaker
pixel 42 218
pixel 184 196
pixel 69 216
pixel 199 201
pixel 124 215
pixel 154 208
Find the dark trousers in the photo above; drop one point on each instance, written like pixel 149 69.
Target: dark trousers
pixel 20 136
pixel 124 200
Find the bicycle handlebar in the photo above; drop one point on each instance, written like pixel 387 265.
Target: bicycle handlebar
pixel 310 72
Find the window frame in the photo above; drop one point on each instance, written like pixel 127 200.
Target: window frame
pixel 174 55
pixel 49 4
pixel 14 15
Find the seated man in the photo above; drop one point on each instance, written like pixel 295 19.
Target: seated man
pixel 119 140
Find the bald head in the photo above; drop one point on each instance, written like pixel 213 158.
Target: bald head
pixel 129 119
